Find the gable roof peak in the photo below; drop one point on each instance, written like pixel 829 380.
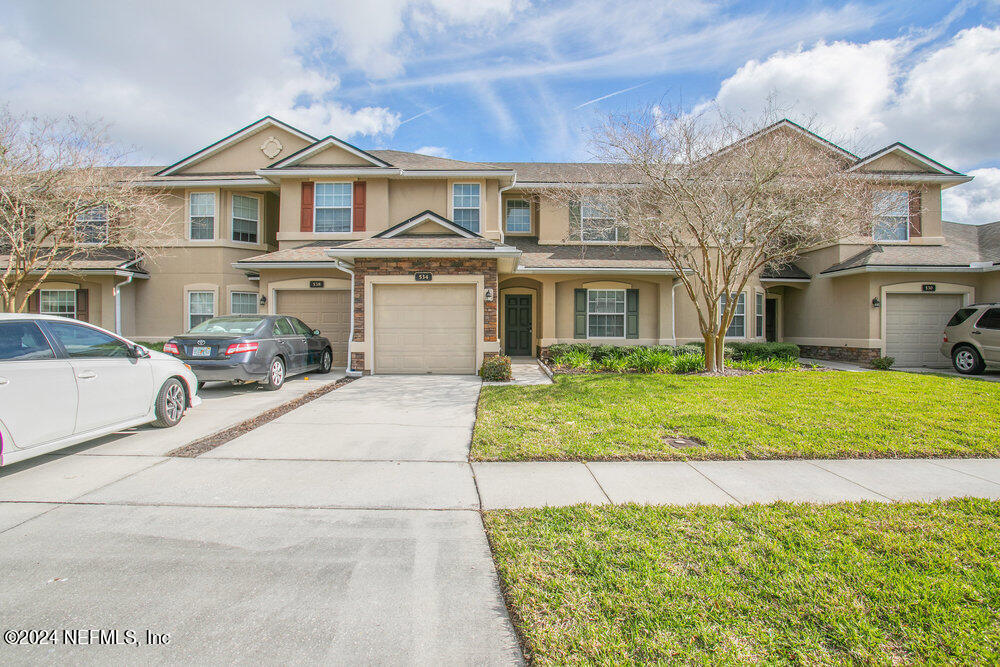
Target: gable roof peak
pixel 912 154
pixel 321 144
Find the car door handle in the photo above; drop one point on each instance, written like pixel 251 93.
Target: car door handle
pixel 975 333
pixel 87 375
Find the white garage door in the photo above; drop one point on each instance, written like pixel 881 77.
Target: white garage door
pixel 913 327
pixel 425 329
pixel 326 310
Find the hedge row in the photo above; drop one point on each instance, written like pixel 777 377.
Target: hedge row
pixel 733 350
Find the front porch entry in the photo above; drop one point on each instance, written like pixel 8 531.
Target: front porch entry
pixel 517 325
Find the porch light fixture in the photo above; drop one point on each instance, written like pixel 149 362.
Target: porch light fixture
pixel 876 303
pixel 263 300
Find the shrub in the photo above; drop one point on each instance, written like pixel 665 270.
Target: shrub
pixel 689 363
pixel 685 349
pixel 613 363
pixel 602 352
pixel 764 350
pixel 151 346
pixel 572 359
pixel 496 369
pixel 883 363
pixel 560 349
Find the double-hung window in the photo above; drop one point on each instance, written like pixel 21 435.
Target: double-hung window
pixel 758 314
pixel 737 326
pixel 595 224
pixel 246 218
pixel 518 216
pixel 465 205
pixel 60 302
pixel 606 313
pixel 243 303
pixel 892 216
pixel 333 206
pixel 201 307
pixel 201 212
pixel 92 226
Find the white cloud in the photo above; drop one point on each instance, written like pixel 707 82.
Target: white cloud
pixel 436 151
pixel 977 201
pixel 942 100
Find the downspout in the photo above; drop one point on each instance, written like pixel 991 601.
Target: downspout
pixel 350 335
pixel 500 206
pixel 117 291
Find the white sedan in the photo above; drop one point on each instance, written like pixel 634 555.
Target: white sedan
pixel 63 382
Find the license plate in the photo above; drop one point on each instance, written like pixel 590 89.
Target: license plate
pixel 201 351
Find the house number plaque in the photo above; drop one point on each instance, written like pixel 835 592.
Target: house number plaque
pixel 316 284
pixel 929 288
pixel 422 276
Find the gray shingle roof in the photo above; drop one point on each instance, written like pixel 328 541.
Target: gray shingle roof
pixel 535 255
pixel 784 272
pixel 421 242
pixel 561 172
pixel 102 259
pixel 310 252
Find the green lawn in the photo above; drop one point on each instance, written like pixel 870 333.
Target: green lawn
pixel 771 415
pixel 849 583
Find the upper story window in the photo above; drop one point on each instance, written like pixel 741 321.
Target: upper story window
pixel 246 218
pixel 465 205
pixel 92 226
pixel 892 216
pixel 597 225
pixel 737 326
pixel 201 212
pixel 333 205
pixel 518 218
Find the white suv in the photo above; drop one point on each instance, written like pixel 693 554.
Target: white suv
pixel 63 382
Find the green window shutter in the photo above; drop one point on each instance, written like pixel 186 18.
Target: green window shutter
pixel 580 313
pixel 632 313
pixel 575 229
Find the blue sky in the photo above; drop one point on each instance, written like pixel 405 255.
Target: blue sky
pixel 515 79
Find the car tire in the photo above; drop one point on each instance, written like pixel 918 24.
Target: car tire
pixel 201 385
pixel 171 403
pixel 275 374
pixel 967 360
pixel 325 362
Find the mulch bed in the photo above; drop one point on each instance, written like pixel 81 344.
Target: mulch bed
pixel 210 442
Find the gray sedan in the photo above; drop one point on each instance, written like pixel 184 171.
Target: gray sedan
pixel 252 348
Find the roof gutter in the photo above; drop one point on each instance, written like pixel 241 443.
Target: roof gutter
pixel 560 269
pixel 912 268
pixel 500 192
pixel 424 252
pixel 204 182
pixel 282 265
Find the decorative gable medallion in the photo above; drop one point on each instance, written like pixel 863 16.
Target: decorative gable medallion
pixel 271 148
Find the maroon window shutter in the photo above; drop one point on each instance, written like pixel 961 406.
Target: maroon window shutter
pixel 916 227
pixel 83 305
pixel 35 302
pixel 360 191
pixel 306 222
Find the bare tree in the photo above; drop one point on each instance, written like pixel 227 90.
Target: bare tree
pixel 722 198
pixel 64 197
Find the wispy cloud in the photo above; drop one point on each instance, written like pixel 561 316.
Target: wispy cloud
pixel 604 97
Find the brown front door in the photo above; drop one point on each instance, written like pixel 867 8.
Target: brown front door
pixel 517 325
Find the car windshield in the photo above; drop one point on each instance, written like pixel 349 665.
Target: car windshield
pixel 228 325
pixel 959 317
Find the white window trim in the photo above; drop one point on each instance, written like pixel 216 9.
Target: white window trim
pixel 256 297
pixel 215 215
pixel 507 230
pixel 744 336
pixel 190 289
pixel 232 217
pixel 624 314
pixel 72 301
pixel 452 208
pixel 599 241
pixel 107 228
pixel 351 207
pixel 906 226
pixel 760 315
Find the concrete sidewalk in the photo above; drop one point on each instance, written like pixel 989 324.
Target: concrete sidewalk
pixel 516 485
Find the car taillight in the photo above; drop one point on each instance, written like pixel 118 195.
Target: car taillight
pixel 237 348
pixel 171 348
pixel 946 338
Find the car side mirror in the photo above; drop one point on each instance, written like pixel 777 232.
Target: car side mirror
pixel 139 352
pixel 315 332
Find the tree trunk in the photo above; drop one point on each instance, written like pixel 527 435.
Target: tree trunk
pixel 720 352
pixel 709 352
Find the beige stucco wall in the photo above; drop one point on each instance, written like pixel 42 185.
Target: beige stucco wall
pixel 246 156
pixel 101 305
pixel 176 213
pixel 334 155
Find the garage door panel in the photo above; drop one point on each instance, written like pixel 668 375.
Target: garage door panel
pixel 913 327
pixel 326 310
pixel 425 329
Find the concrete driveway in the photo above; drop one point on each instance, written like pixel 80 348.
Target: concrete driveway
pixel 346 531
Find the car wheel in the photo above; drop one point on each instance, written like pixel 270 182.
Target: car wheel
pixel 966 360
pixel 201 385
pixel 171 403
pixel 326 361
pixel 275 375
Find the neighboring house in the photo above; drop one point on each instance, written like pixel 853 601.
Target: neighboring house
pixel 453 261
